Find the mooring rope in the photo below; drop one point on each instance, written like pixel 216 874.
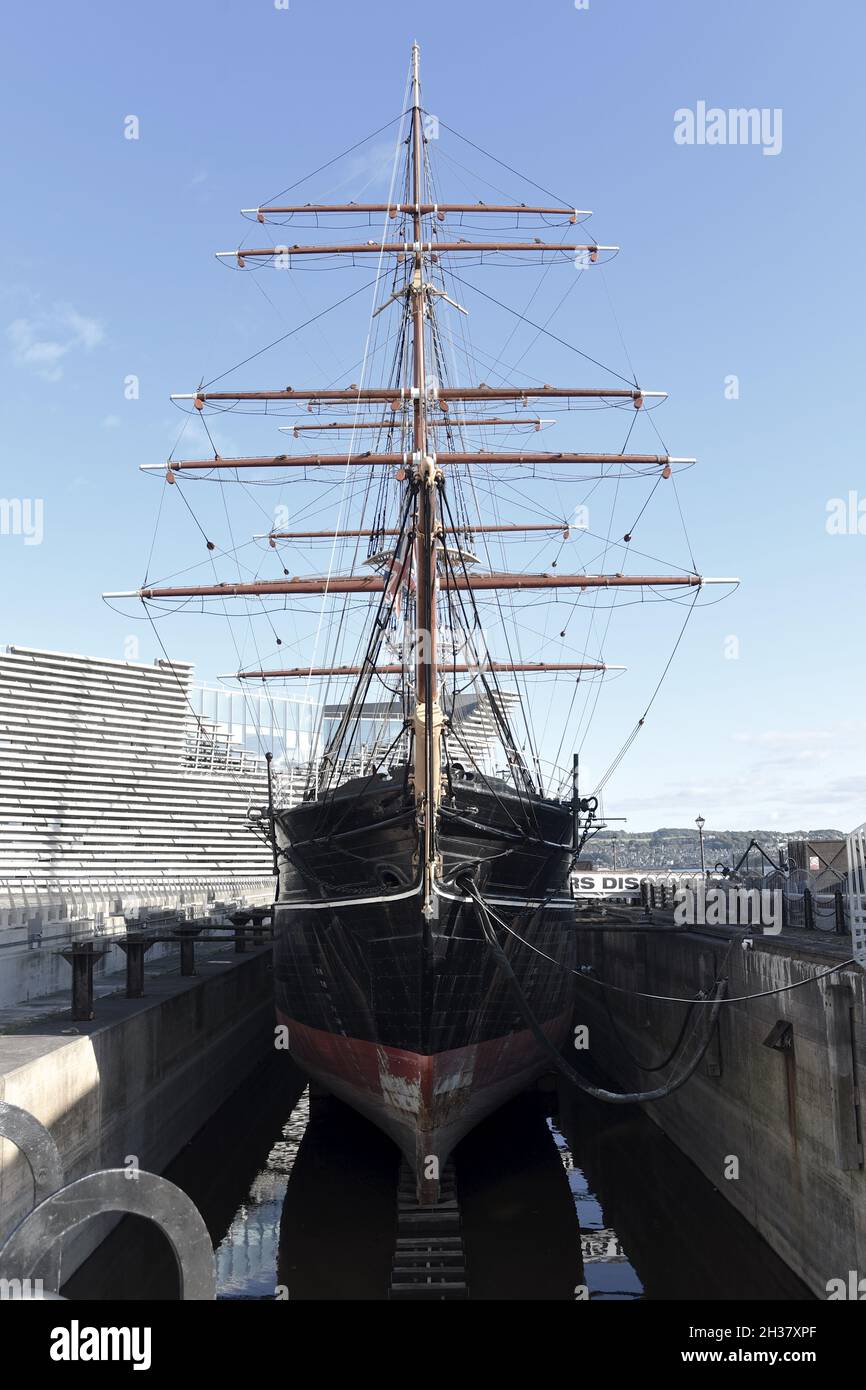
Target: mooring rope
pixel 588 973
pixel 598 1092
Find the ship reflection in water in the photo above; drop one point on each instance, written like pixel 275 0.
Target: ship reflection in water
pixel 559 1201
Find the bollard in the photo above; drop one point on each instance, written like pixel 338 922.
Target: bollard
pixel 82 956
pixel 259 914
pixel 240 920
pixel 186 934
pixel 135 948
pixel 808 911
pixel 187 955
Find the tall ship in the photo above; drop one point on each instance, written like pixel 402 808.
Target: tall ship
pixel 424 927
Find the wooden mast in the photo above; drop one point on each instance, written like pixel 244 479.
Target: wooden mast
pixel 405 248
pixel 438 209
pixel 368 459
pixel 377 583
pixel 454 421
pixel 422 469
pixel 396 396
pixel 451 667
pixel 550 527
pixel 427 715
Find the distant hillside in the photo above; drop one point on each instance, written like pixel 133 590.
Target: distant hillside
pixel 679 849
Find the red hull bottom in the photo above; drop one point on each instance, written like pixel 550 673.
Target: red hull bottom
pixel 426 1104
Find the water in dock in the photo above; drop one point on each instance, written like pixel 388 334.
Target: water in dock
pixel 560 1199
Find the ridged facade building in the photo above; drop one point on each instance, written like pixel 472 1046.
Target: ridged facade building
pixel 124 788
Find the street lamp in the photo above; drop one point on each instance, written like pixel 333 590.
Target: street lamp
pixel 700 823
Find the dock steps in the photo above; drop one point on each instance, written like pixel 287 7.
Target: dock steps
pixel 429 1260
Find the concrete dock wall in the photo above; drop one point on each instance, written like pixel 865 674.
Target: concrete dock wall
pixel 140 1080
pixel 778 1132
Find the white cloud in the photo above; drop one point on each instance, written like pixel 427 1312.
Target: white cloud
pixel 42 341
pixel 783 738
pixel 111 422
pixel 755 798
pixel 369 166
pixel 807 778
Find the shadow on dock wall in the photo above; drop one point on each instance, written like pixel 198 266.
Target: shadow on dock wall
pixel 785 1123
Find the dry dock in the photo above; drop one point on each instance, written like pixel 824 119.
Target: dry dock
pixel 772 1116
pixel 137 1082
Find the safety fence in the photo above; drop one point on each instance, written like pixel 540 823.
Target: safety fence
pixel 801 907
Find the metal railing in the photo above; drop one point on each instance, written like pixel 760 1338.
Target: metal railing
pixel 804 910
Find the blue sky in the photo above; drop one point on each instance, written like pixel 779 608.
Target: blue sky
pixel 733 263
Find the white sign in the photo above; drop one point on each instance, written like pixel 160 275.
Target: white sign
pixel 601 884
pixel 626 883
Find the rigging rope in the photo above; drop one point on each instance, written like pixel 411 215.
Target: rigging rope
pixel 583 974
pixel 559 1062
pixel 640 723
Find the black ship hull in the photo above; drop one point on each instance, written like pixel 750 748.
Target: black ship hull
pixel 384 979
